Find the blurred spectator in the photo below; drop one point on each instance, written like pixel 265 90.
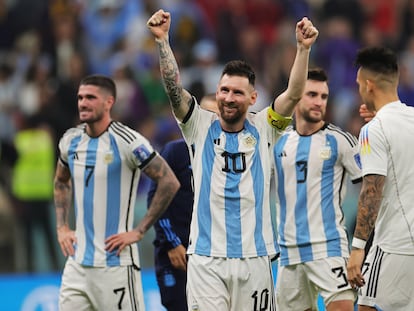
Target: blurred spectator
pixel 336 52
pixel 406 85
pixel 104 24
pixel 67 41
pixel 131 105
pixel 32 187
pixel 66 95
pixel 385 15
pixel 205 70
pixel 8 157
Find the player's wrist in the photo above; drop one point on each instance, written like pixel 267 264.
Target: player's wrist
pixel 358 243
pixel 161 39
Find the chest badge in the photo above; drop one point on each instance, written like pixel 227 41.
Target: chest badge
pixel 249 141
pixel 109 157
pixel 325 152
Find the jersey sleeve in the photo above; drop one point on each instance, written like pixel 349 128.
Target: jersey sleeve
pixel 351 158
pixel 64 144
pixel 197 122
pixel 374 155
pixel 142 152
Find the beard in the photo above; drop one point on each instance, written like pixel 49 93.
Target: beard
pixel 231 118
pixel 308 117
pixel 90 117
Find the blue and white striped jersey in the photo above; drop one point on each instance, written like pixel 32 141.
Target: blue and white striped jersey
pixel 231 215
pixel 311 174
pixel 105 172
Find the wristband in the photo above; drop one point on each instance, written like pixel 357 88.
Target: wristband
pixel 276 120
pixel 358 243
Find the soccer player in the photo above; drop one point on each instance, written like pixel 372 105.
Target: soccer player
pixel 98 171
pixel 231 234
pixel 385 280
pixel 172 229
pixel 313 161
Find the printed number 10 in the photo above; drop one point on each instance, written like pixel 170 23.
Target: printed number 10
pixel 261 303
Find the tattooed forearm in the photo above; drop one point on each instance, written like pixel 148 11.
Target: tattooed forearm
pixel 368 205
pixel 170 74
pixel 167 186
pixel 63 201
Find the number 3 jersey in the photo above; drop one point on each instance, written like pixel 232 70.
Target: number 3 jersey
pixel 231 215
pixel 311 176
pixel 105 171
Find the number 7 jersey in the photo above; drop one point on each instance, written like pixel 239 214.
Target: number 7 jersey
pixel 105 171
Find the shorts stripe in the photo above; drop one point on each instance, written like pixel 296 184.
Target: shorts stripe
pixel 131 285
pixel 273 296
pixel 374 275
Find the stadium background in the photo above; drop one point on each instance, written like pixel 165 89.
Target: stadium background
pixel 46 46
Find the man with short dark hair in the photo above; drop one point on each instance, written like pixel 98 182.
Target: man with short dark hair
pixel 98 170
pixel 385 279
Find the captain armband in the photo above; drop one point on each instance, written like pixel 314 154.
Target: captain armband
pixel 276 120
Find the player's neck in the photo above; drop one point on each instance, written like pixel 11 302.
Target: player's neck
pixel 307 128
pixel 231 127
pixel 96 129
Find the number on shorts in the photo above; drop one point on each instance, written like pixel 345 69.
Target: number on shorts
pixel 122 290
pixel 340 273
pixel 261 303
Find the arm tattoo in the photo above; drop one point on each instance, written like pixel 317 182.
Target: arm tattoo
pixel 170 75
pixel 63 201
pixel 368 206
pixel 167 186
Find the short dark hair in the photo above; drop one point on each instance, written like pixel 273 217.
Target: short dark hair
pixel 240 68
pixel 317 74
pixel 100 81
pixel 377 59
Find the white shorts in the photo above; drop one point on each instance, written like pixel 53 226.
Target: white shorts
pixel 100 288
pixel 233 284
pixel 388 281
pixel 298 285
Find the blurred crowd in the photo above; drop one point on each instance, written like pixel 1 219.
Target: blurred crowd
pixel 47 46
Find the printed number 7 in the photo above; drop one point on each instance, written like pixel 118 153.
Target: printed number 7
pixel 340 273
pixel 89 171
pixel 122 290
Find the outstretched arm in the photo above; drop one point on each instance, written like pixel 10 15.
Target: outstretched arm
pixel 180 99
pixel 306 35
pixel 167 186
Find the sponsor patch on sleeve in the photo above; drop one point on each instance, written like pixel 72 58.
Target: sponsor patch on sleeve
pixel 358 160
pixel 142 153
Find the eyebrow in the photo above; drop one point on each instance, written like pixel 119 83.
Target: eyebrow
pixel 88 96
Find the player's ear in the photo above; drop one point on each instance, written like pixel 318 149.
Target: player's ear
pixel 370 85
pixel 110 101
pixel 253 97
